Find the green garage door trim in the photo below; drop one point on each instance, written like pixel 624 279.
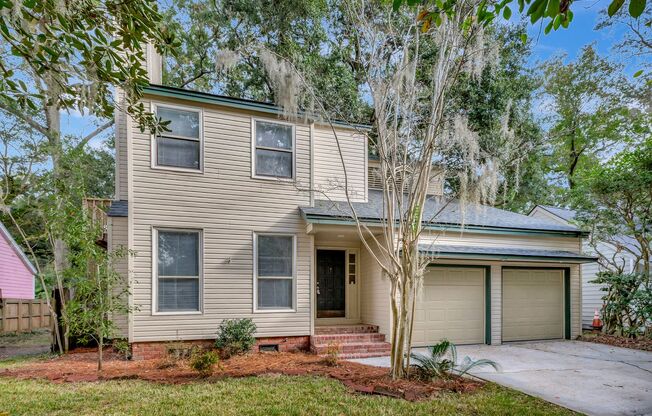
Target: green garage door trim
pixel 487 290
pixel 567 293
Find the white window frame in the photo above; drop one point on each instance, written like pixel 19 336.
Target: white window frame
pixel 155 231
pixel 254 147
pixel 256 309
pixel 153 142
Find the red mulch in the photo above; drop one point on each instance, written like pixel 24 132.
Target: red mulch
pixel 644 344
pixel 81 365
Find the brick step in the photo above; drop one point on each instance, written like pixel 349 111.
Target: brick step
pixel 347 338
pixel 346 329
pixel 354 348
pixel 355 355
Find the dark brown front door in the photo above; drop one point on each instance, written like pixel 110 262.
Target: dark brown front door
pixel 331 289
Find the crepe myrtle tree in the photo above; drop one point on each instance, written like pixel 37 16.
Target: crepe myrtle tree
pixel 409 73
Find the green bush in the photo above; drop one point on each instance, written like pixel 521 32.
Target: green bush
pixel 121 346
pixel 203 362
pixel 235 336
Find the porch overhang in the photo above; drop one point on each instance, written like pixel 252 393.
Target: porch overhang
pixel 373 222
pixel 503 254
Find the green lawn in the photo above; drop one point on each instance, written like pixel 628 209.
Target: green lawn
pixel 267 395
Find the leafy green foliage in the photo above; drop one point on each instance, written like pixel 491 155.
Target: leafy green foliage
pixel 311 34
pixel 204 362
pixel 555 13
pixel 627 306
pixel 589 104
pixel 235 336
pixel 441 362
pixel 80 50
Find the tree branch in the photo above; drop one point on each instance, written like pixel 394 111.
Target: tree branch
pixel 97 131
pixel 25 118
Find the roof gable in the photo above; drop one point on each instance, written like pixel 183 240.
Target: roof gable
pixel 16 248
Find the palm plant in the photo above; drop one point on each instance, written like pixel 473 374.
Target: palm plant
pixel 441 362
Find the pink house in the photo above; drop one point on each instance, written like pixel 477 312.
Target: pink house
pixel 16 271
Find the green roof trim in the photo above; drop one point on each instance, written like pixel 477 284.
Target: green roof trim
pixel 329 220
pixel 512 257
pixel 239 103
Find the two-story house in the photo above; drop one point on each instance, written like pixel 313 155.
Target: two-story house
pixel 237 212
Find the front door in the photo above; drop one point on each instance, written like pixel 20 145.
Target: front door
pixel 331 279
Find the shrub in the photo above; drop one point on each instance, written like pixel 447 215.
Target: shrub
pixel 332 354
pixel 121 346
pixel 203 362
pixel 235 336
pixel 441 362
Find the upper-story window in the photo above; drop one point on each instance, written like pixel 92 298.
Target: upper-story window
pixel 180 147
pixel 273 150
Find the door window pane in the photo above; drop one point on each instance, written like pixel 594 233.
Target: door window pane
pixel 275 293
pixel 177 153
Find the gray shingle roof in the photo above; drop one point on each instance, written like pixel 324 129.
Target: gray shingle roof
pixel 563 213
pixel 447 251
pixel 118 209
pixel 437 212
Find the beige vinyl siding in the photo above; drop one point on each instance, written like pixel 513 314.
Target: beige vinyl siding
pixel 496 303
pixel 328 171
pixel 374 294
pixel 228 205
pixel 121 171
pixel 591 293
pixel 496 240
pixel 117 240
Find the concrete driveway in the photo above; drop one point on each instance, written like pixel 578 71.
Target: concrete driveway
pixel 590 378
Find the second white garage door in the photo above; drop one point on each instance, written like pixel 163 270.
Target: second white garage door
pixel 452 306
pixel 533 304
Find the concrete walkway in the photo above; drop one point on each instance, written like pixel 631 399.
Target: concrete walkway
pixel 590 378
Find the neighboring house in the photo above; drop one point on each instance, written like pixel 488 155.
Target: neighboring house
pixel 237 213
pixel 591 292
pixel 16 271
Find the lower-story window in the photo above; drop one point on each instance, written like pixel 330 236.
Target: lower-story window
pixel 178 270
pixel 274 271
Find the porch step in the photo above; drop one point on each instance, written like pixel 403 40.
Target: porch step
pixel 348 338
pixel 354 341
pixel 346 329
pixel 355 348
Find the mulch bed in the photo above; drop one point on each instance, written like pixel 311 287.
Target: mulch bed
pixel 81 366
pixel 644 344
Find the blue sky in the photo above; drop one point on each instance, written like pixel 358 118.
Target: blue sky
pixel 580 33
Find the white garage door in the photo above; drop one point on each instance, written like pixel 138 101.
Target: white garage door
pixel 451 305
pixel 533 304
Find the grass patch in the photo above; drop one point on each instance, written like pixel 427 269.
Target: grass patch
pixel 265 395
pixel 25 339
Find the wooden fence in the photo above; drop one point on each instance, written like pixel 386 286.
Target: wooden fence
pixel 19 315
